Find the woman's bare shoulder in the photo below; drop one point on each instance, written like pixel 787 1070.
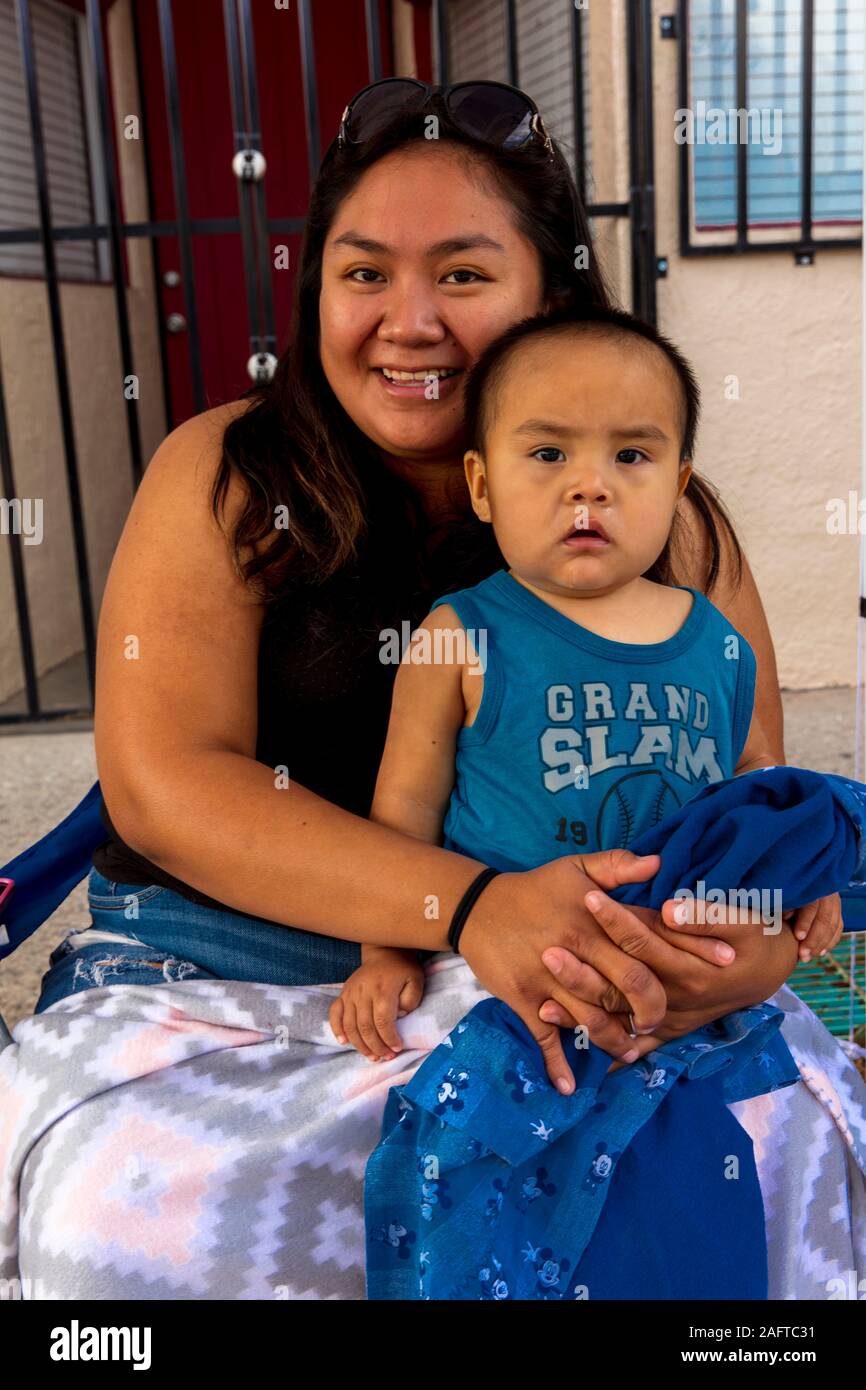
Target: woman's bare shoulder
pixel 183 469
pixel 173 512
pixel 211 424
pixel 199 439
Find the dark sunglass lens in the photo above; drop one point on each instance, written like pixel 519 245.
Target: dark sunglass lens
pixel 493 114
pixel 375 110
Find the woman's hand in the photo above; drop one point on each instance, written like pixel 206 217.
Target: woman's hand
pixel 520 914
pixel 697 991
pixel 817 926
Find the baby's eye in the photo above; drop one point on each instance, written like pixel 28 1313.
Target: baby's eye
pixel 548 449
pixel 636 456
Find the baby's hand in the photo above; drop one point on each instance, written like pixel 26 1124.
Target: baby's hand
pixel 818 926
pixel 389 984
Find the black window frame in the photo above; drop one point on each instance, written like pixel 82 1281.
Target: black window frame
pixel 804 247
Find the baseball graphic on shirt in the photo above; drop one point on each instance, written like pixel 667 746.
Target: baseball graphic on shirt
pixel 632 805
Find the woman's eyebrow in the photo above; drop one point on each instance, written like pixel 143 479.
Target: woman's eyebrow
pixel 469 241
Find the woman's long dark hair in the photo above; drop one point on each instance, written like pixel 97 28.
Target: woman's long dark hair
pixel 295 447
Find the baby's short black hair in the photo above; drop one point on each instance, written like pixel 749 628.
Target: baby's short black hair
pixel 489 372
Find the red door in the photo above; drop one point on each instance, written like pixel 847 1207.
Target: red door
pixel 341 68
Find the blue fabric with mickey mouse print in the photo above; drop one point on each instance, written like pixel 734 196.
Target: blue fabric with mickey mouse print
pixel 489 1184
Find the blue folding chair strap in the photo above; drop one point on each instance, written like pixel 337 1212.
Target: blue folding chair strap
pixel 45 874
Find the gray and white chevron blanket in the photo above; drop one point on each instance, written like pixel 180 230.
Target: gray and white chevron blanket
pixel 208 1140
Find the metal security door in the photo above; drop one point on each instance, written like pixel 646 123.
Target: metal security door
pixel 237 99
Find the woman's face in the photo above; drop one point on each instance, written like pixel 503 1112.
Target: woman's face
pixel 422 268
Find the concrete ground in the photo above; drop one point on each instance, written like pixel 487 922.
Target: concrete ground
pixel 44 773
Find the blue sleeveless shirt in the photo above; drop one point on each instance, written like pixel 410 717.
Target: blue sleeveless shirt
pixel 581 743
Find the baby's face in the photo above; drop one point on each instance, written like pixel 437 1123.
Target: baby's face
pixel 587 434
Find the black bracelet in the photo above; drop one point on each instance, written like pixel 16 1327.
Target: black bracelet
pixel 465 906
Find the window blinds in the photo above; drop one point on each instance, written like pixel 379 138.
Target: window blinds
pixel 773 87
pixel 57 39
pixel 477 49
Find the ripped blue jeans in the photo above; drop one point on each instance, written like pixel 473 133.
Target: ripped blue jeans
pixel 172 938
pixel 75 968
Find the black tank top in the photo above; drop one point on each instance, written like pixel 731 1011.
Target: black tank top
pixel 324 695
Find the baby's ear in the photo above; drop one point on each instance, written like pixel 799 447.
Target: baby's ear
pixel 476 477
pixel 686 471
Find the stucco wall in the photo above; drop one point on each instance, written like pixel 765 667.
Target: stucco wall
pixel 99 409
pixel 607 115
pixel 792 336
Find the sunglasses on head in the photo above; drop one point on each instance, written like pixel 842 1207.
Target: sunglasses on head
pixel 489 111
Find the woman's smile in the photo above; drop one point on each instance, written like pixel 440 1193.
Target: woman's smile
pixel 424 383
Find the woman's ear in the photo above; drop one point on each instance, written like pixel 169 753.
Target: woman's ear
pixel 476 477
pixel 685 474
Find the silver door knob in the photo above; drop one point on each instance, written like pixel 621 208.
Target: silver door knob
pixel 261 366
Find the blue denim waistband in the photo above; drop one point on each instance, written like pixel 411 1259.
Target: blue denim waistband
pixel 216 945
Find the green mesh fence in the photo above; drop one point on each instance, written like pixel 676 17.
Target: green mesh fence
pixel 834 986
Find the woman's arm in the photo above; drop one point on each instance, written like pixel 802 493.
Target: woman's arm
pixel 744 608
pixel 756 749
pixel 176 724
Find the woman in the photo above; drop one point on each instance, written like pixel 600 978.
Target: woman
pixel 241 701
